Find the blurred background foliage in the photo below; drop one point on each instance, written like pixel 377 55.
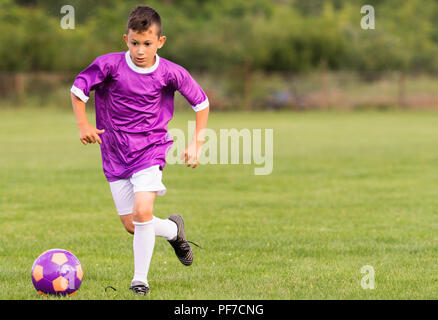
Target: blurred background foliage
pixel 234 44
pixel 282 35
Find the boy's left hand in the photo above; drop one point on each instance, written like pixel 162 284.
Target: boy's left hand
pixel 191 154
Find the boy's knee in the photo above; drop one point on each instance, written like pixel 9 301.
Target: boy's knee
pixel 142 214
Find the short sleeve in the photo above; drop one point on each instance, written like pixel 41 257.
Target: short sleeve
pixel 90 77
pixel 190 89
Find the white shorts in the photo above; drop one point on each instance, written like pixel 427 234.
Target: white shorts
pixel 145 180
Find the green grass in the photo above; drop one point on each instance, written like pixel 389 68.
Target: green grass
pixel 347 190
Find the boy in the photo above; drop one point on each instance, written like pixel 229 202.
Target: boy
pixel 134 93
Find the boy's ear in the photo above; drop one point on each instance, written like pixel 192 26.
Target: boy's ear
pixel 125 37
pixel 161 41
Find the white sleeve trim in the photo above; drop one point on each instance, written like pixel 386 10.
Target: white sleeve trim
pixel 79 93
pixel 201 106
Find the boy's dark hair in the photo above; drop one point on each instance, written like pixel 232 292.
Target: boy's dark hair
pixel 142 18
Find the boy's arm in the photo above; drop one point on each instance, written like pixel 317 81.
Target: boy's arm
pixel 87 133
pixel 193 151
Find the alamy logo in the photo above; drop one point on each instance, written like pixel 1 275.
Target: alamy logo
pixel 367 281
pixel 368 20
pixel 231 146
pixel 68 21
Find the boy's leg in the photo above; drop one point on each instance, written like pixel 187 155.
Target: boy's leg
pixel 144 235
pixel 123 195
pixel 172 229
pixel 126 197
pixel 150 180
pixel 163 227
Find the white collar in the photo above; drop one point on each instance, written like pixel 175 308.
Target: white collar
pixel 138 69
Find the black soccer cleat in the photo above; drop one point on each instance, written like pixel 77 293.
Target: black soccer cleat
pixel 139 287
pixel 180 244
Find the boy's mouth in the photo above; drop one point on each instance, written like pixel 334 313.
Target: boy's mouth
pixel 140 59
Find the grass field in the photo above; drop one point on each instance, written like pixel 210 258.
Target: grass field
pixel 347 190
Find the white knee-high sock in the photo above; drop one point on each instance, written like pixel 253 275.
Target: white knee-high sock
pixel 143 243
pixel 165 228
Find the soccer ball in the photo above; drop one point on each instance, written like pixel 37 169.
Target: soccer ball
pixel 57 272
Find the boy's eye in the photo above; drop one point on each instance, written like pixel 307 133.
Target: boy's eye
pixel 136 43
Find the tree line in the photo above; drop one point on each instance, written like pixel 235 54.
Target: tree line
pixel 214 36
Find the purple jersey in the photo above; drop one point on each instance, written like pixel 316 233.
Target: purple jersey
pixel 134 106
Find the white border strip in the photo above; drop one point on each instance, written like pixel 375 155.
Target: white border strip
pixel 79 93
pixel 201 106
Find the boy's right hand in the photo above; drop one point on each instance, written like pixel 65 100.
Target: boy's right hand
pixel 89 134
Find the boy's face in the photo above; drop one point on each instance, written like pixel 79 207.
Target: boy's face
pixel 143 46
